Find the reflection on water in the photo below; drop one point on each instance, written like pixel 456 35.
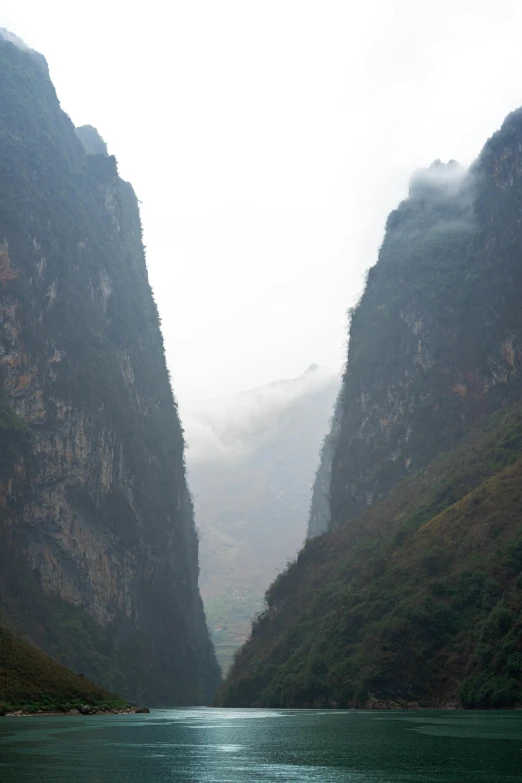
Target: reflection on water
pixel 228 746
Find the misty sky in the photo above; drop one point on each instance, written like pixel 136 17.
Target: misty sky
pixel 267 141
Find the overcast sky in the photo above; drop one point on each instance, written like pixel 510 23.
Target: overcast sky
pixel 267 141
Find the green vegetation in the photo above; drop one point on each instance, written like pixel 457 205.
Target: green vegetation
pixel 415 596
pixel 418 601
pixel 33 682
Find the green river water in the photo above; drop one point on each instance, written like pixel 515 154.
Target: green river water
pixel 228 746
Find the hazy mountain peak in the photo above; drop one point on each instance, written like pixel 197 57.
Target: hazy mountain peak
pixel 251 466
pixel 438 177
pixel 237 424
pixel 7 35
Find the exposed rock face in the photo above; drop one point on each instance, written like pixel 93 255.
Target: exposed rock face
pixel 435 342
pixel 96 511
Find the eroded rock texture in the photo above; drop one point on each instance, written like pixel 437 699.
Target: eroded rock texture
pixel 99 551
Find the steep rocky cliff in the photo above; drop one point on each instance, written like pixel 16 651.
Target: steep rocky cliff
pixel 414 595
pixel 98 549
pixel 435 342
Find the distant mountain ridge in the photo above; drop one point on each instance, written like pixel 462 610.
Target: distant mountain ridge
pixel 251 472
pixel 241 422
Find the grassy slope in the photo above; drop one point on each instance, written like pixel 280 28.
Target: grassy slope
pixel 419 600
pixel 32 681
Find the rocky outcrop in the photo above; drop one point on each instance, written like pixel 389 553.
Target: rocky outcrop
pixel 93 143
pixel 95 511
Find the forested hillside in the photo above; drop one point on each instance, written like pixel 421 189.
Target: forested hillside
pixel 416 602
pixel 413 597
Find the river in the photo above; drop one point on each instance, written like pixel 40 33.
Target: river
pixel 228 746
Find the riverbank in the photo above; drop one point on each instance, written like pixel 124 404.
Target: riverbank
pixel 32 683
pixel 84 710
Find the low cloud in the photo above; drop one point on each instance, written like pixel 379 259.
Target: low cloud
pixel 447 178
pixel 235 426
pixel 6 35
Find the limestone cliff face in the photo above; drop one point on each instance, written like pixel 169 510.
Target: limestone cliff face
pixel 435 342
pixel 96 512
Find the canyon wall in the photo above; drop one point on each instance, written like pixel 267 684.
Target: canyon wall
pixel 99 548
